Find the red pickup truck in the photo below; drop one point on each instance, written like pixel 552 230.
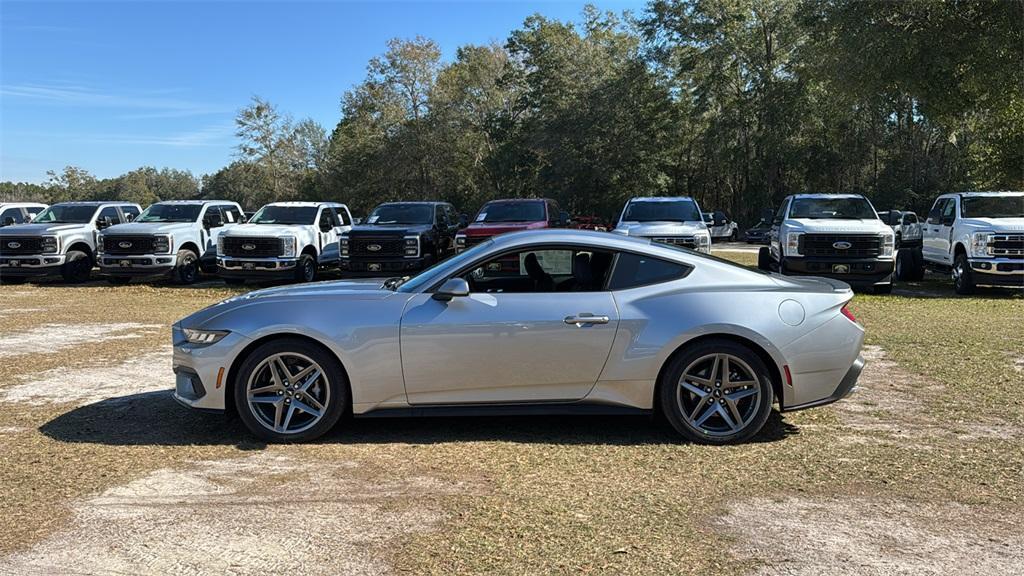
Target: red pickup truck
pixel 501 216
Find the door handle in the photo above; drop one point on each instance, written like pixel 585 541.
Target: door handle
pixel 585 318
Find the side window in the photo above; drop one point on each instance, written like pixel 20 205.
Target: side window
pixel 325 220
pixel 935 214
pixel 231 214
pixel 449 211
pixel 343 216
pixel 12 213
pixel 548 270
pixel 781 214
pixel 632 270
pixel 553 213
pixel 439 216
pixel 910 218
pixel 130 212
pixel 949 210
pixel 109 212
pixel 33 212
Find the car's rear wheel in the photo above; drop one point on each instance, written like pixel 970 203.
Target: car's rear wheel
pixel 717 392
pixel 290 390
pixel 77 267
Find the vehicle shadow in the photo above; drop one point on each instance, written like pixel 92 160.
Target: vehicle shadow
pixel 155 419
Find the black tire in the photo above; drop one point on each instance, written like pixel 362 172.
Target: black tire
pixel 753 409
pixel 118 280
pixel 234 281
pixel 963 276
pixel 186 271
pixel 335 386
pixel 77 267
pixel 904 264
pixel 12 279
pixel 882 288
pixel 733 236
pixel 764 259
pixel 917 264
pixel 305 269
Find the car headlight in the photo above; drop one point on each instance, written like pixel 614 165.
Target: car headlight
pixel 460 240
pixel 888 244
pixel 203 336
pixel 703 242
pixel 220 245
pixel 50 245
pixel 412 246
pixel 793 243
pixel 980 244
pixel 99 243
pixel 343 244
pixel 288 246
pixel 162 244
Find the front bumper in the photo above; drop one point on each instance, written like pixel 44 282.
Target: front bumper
pixel 383 266
pixel 31 265
pixel 136 266
pixel 261 268
pixel 1005 272
pixel 199 382
pixel 860 272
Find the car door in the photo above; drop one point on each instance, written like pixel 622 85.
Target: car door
pixel 773 233
pixel 511 344
pixel 213 224
pixel 941 231
pixel 327 235
pixel 931 231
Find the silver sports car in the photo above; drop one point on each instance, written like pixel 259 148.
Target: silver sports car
pixel 547 321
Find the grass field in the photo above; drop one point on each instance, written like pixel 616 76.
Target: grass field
pixel 921 471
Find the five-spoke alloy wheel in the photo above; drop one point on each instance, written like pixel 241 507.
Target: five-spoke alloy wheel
pixel 717 392
pixel 290 390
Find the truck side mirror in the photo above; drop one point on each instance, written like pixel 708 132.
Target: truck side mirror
pixel 104 222
pixel 463 220
pixel 213 220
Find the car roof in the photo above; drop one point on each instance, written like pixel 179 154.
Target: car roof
pixel 659 198
pixel 22 204
pixel 423 202
pixel 303 204
pixel 496 200
pixel 827 195
pixel 991 193
pixel 196 202
pixel 96 203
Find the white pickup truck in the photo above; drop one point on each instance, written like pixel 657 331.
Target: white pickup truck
pixel 978 237
pixel 284 240
pixel 12 213
pixel 721 227
pixel 669 220
pixel 60 241
pixel 833 235
pixel 176 238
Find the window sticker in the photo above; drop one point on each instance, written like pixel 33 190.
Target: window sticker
pixel 480 217
pixel 552 261
pixel 372 219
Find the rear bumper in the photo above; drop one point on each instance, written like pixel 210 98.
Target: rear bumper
pixel 383 266
pixel 844 389
pixel 860 272
pixel 31 265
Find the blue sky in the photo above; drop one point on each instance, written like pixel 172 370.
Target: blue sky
pixel 113 86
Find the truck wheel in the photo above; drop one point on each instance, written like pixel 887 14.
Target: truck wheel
pixel 963 277
pixel 305 271
pixel 234 281
pixel 77 267
pixel 733 236
pixel 882 288
pixel 187 269
pixel 904 264
pixel 917 266
pixel 764 259
pixel 118 280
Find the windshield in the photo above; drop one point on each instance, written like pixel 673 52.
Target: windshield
pixel 170 213
pixel 66 214
pixel 401 214
pixel 832 208
pixel 992 207
pixel 285 215
pixel 671 211
pixel 435 272
pixel 512 212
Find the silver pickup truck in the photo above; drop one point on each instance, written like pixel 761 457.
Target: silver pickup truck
pixel 669 220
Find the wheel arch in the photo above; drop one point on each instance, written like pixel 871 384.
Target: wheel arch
pixel 236 364
pixel 309 249
pixel 82 246
pixel 190 245
pixel 762 353
pixel 959 247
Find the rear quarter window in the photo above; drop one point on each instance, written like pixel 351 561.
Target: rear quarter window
pixel 633 270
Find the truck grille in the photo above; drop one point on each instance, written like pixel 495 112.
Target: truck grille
pixel 245 247
pixel 474 240
pixel 128 244
pixel 21 245
pixel 1008 245
pixel 684 241
pixel 387 247
pixel 829 245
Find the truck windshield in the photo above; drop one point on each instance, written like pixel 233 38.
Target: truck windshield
pixel 170 213
pixel 401 214
pixel 285 215
pixel 512 212
pixel 832 208
pixel 662 211
pixel 66 214
pixel 992 207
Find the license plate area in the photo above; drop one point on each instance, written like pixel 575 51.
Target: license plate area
pixel 840 268
pixel 125 263
pixel 248 266
pixel 14 263
pixel 373 267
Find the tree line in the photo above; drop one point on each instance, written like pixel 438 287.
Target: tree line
pixel 734 102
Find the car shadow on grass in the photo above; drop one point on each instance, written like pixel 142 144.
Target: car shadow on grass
pixel 155 419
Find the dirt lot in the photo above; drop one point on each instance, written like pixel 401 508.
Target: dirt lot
pixel 921 472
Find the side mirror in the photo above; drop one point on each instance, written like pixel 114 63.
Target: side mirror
pixel 357 221
pixel 326 227
pixel 104 222
pixel 463 220
pixel 452 288
pixel 214 220
pixel 8 221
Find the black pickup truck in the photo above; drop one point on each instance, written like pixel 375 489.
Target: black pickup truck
pixel 400 238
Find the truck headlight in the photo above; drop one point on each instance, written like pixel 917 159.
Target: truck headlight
pixel 162 244
pixel 50 245
pixel 412 246
pixel 203 336
pixel 793 243
pixel 703 242
pixel 343 244
pixel 99 244
pixel 888 245
pixel 460 240
pixel 220 245
pixel 980 244
pixel 288 246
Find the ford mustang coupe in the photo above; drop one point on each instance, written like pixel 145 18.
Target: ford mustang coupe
pixel 547 321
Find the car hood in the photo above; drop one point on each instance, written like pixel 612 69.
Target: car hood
pixel 40 229
pixel 150 228
pixel 995 224
pixel 649 229
pixel 478 229
pixel 396 229
pixel 260 230
pixel 811 225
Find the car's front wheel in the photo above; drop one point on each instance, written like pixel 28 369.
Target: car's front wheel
pixel 963 276
pixel 290 390
pixel 717 392
pixel 187 269
pixel 305 270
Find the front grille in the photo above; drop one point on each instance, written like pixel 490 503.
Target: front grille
pixel 685 241
pixel 21 245
pixel 1008 245
pixel 860 246
pixel 474 240
pixel 380 247
pixel 128 244
pixel 246 247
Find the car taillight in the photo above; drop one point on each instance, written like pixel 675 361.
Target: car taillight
pixel 846 312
